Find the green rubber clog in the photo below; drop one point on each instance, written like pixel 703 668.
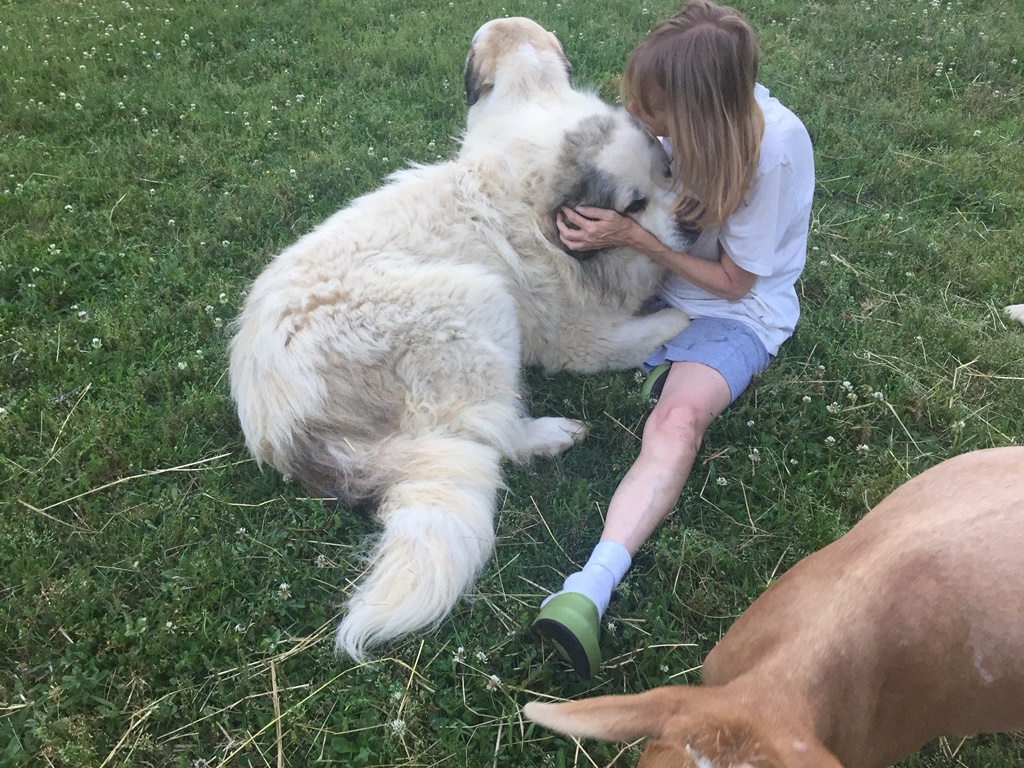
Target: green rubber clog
pixel 570 621
pixel 656 380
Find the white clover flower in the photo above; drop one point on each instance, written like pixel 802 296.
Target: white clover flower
pixel 459 656
pixel 223 298
pixel 878 395
pixel 830 440
pixel 493 683
pixel 806 398
pixel 481 656
pixel 863 448
pixel 96 343
pixel 833 408
pixel 722 481
pixel 182 365
pixel 397 727
pixel 292 172
pixel 750 423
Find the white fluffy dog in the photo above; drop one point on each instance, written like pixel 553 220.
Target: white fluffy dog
pixel 378 359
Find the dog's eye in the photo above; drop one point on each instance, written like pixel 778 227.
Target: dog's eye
pixel 636 206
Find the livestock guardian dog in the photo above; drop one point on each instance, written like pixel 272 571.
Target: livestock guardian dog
pixel 378 359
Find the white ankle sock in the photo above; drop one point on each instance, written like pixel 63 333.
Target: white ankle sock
pixel 604 570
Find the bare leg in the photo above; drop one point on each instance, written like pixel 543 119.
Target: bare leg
pixel 693 396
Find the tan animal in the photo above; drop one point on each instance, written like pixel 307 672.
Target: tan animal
pixel 909 627
pixel 378 359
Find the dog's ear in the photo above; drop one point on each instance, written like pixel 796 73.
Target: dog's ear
pixel 612 718
pixel 476 84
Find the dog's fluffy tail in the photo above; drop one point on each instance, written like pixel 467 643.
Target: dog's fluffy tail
pixel 438 520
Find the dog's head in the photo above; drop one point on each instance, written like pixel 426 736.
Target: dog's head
pixel 609 161
pixel 517 58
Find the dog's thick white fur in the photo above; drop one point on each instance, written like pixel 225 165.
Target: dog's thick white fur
pixel 1016 312
pixel 378 359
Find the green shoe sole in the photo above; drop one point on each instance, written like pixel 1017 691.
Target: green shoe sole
pixel 571 622
pixel 656 380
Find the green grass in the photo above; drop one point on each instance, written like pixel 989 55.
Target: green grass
pixel 166 603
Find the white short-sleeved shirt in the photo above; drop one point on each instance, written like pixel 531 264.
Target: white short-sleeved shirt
pixel 767 235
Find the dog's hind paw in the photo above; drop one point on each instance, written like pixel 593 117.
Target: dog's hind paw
pixel 550 436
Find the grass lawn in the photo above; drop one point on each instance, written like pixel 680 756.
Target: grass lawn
pixel 165 603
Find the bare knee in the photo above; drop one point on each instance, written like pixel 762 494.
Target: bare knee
pixel 676 426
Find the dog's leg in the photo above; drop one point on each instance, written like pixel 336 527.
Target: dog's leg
pixel 1016 311
pixel 590 342
pixel 548 436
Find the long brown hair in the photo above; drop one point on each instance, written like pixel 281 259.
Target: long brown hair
pixel 705 60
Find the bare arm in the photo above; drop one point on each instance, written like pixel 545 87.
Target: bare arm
pixel 600 228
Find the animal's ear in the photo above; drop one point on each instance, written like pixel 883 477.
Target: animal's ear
pixel 613 718
pixel 476 84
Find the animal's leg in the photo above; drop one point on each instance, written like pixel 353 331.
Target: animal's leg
pixel 1016 311
pixel 548 436
pixel 611 341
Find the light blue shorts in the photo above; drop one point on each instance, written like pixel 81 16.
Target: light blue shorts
pixel 729 346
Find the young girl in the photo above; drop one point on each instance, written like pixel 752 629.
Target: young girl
pixel 745 170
